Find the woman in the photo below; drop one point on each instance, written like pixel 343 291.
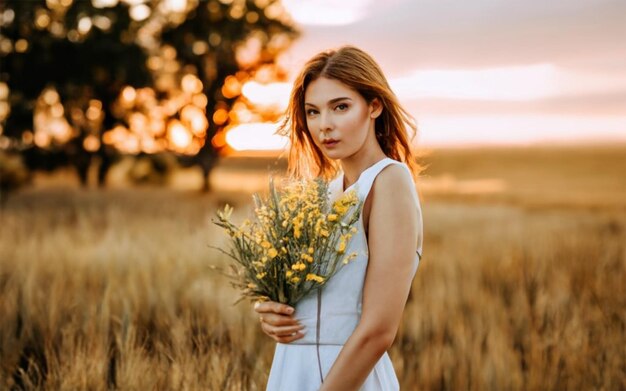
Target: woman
pixel 345 123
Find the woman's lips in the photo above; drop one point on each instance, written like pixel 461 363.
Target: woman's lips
pixel 330 144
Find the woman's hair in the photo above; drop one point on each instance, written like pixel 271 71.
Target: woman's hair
pixel 358 70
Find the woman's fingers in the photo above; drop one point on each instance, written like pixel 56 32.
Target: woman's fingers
pixel 273 307
pixel 278 320
pixel 275 314
pixel 283 334
pixel 281 331
pixel 291 338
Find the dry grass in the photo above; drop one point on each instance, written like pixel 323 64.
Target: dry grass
pixel 531 177
pixel 110 290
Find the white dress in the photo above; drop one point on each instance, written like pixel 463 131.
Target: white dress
pixel 331 315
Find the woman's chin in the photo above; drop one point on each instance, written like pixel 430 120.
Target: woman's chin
pixel 334 155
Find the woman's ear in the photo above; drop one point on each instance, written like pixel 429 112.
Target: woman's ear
pixel 376 107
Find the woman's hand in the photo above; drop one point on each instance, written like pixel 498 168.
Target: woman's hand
pixel 278 322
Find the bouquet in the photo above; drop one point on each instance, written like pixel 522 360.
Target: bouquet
pixel 295 242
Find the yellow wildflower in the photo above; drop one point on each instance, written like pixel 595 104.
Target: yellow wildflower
pixel 298 266
pixel 340 209
pixel 272 253
pixel 295 279
pixel 351 196
pixel 349 258
pixel 265 244
pixel 288 273
pixel 342 245
pixel 252 285
pixel 314 277
pixel 311 250
pixel 318 223
pixel 260 275
pixel 332 217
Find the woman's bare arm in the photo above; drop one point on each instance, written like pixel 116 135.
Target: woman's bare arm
pixel 393 230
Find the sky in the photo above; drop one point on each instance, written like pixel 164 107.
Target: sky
pixel 486 71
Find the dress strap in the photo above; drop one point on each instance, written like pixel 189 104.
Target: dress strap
pixel 366 180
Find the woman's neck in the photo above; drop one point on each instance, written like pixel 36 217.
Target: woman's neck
pixel 353 166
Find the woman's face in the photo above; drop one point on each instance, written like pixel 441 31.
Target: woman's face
pixel 336 112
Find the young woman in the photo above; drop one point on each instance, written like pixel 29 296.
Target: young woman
pixel 345 124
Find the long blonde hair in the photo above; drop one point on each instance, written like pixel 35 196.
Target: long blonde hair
pixel 358 70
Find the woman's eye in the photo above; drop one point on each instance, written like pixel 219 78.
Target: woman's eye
pixel 341 107
pixel 310 112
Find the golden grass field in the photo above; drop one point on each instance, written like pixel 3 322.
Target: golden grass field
pixel 522 285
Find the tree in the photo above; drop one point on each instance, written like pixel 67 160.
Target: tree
pixel 76 68
pixel 80 59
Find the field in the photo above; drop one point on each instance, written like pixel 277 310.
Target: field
pixel 522 285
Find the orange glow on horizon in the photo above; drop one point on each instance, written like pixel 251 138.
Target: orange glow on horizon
pixel 255 136
pixel 267 95
pixel 526 83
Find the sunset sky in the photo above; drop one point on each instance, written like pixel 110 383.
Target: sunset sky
pixel 485 72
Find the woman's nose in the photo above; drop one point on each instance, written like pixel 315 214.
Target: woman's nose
pixel 325 122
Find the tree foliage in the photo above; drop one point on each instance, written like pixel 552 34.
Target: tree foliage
pixel 88 52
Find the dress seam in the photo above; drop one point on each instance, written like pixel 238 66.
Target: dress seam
pixel 317 333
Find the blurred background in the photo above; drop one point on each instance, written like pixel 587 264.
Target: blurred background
pixel 125 124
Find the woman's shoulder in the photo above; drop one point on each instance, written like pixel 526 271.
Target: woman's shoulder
pixel 396 174
pixel 395 182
